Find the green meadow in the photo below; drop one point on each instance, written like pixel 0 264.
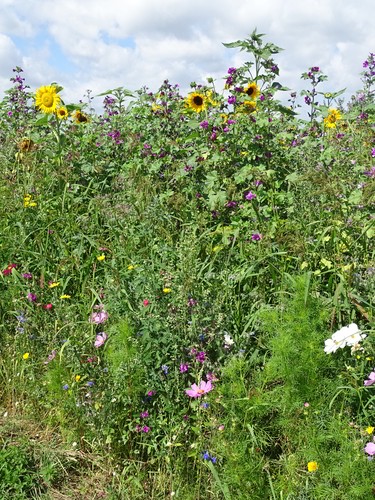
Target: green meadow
pixel 188 289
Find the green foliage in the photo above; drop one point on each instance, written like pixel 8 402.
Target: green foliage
pixel 174 240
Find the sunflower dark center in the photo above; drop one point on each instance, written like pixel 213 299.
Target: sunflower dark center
pixel 198 100
pixel 250 91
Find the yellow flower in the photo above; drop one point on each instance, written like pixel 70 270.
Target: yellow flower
pixel 332 118
pixel 53 284
pixel 47 99
pixel 62 113
pixel 370 429
pixel 101 257
pixel 26 355
pixel 312 466
pixel 80 117
pixel 130 267
pixel 250 106
pixel 167 290
pixel 252 90
pixel 78 378
pixel 156 107
pixel 65 296
pixel 27 201
pixel 196 102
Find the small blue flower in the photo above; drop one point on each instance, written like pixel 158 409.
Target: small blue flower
pixel 205 405
pixel 65 387
pixel 165 369
pixel 206 455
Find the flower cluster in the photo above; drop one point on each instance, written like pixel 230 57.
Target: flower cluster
pixel 347 336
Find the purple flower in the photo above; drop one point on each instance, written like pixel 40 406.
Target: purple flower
pixel 250 196
pixel 231 204
pixel 27 276
pixel 231 71
pixel 144 414
pixel 231 122
pixel 256 236
pixel 373 152
pixel 371 172
pixel 231 99
pixel 145 429
pixel 31 297
pixel 370 379
pixel 204 124
pixel 100 339
pixel 200 357
pixel 258 183
pixel 184 367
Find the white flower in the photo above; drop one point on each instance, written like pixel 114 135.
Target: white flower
pixel 347 335
pixel 228 341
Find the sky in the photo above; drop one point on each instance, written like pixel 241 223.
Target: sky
pixel 105 44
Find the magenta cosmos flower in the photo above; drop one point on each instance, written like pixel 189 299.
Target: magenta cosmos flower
pixel 197 391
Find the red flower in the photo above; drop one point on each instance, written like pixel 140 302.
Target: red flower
pixel 8 269
pixel 48 307
pixel 146 302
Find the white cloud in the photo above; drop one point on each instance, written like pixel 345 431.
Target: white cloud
pixel 181 41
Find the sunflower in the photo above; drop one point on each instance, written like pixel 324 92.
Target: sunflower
pixel 62 113
pixel 250 106
pixel 332 118
pixel 80 117
pixel 252 90
pixel 196 102
pixel 47 99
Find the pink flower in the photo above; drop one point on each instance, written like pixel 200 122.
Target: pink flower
pixel 370 449
pixel 51 357
pixel 250 196
pixel 48 307
pixel 370 380
pixel 99 317
pixel 100 339
pixel 146 302
pixel 198 391
pixel 184 367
